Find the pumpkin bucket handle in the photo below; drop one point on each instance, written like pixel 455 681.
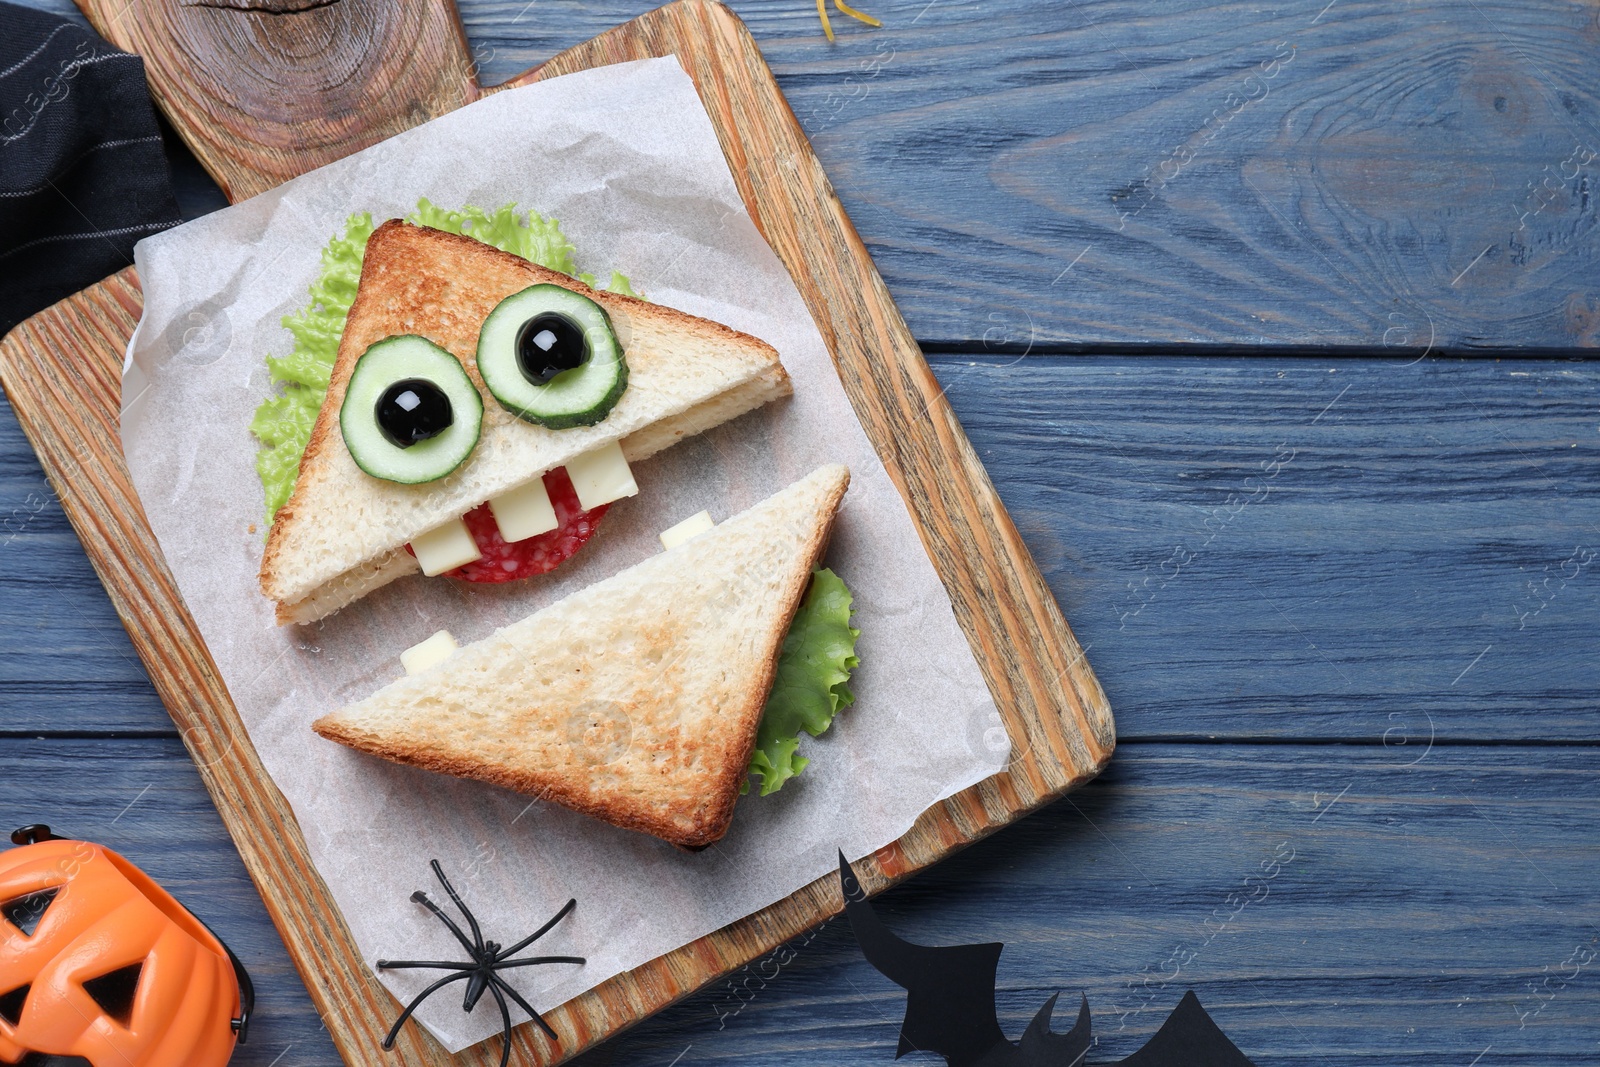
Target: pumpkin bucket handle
pixel 32 834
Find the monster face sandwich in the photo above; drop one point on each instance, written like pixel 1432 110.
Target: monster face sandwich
pixel 481 415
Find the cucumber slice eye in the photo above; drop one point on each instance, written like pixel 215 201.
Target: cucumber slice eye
pixel 410 413
pixel 550 356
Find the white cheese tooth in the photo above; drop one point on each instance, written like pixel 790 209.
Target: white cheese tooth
pixel 690 527
pixel 430 653
pixel 523 512
pixel 445 548
pixel 601 476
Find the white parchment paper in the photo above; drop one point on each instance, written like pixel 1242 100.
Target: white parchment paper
pixel 627 159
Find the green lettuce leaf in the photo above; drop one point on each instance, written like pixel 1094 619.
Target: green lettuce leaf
pixel 534 238
pixel 284 420
pixel 812 681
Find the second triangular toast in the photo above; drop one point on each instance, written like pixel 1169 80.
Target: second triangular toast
pixel 635 700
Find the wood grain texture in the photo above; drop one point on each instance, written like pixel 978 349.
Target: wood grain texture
pixel 1362 174
pixel 1244 176
pixel 1417 910
pixel 1412 173
pixel 65 662
pixel 263 90
pixel 1382 551
pixel 1424 518
pixel 1053 708
pixel 1416 913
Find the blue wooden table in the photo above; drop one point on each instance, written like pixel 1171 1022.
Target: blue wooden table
pixel 1269 323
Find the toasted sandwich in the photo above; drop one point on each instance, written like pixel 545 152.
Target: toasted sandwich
pixel 635 700
pixel 480 403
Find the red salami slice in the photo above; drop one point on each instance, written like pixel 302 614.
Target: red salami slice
pixel 509 561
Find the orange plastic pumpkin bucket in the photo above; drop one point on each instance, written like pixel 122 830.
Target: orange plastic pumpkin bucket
pixel 99 963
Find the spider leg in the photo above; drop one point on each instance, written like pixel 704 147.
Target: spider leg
pixel 530 961
pixel 501 983
pixel 477 935
pixel 505 1014
pixel 422 898
pixel 438 965
pixel 537 934
pixel 394 1031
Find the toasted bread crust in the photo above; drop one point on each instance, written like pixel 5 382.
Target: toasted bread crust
pixel 712 821
pixel 722 760
pixel 441 286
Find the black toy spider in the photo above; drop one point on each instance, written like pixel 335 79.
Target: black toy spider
pixel 482 971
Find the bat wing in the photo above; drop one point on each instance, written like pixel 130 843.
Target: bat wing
pixel 949 991
pixel 1188 1039
pixel 950 1007
pixel 1041 1048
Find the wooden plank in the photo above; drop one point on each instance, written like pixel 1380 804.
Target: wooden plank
pixel 1417 909
pixel 1395 181
pixel 60 370
pixel 65 662
pixel 1293 549
pixel 1410 174
pixel 1395 545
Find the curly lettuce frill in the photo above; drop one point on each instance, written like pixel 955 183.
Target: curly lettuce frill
pixel 812 682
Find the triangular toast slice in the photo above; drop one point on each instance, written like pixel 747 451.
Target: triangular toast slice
pixel 343 532
pixel 635 700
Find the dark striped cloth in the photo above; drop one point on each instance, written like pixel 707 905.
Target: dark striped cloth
pixel 82 171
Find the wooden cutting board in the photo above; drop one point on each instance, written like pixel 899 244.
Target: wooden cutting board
pixel 263 90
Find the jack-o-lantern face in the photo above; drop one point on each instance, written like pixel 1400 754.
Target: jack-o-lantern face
pixel 100 966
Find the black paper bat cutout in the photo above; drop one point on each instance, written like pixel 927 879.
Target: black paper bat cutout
pixel 950 1007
